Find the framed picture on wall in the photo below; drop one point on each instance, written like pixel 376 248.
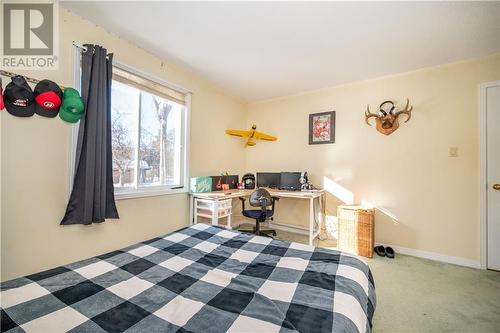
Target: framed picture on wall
pixel 322 128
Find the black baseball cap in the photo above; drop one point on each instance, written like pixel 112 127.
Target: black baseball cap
pixel 19 98
pixel 48 98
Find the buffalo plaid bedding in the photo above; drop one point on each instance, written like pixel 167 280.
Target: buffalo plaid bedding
pixel 198 279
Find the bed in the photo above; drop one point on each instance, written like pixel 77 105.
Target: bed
pixel 198 279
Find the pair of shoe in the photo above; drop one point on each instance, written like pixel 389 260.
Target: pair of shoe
pixel 385 251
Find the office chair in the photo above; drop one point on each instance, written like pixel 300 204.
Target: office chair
pixel 263 199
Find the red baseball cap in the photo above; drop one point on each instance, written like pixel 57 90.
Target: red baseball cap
pixel 48 98
pixel 2 105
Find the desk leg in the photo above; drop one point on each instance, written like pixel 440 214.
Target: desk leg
pixel 323 216
pixel 191 210
pixel 215 213
pixel 311 220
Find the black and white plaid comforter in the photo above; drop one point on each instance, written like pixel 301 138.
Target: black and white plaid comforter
pixel 198 279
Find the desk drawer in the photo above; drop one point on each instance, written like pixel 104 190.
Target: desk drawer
pixel 205 204
pixel 224 204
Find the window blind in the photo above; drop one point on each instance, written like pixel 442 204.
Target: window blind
pixel 149 86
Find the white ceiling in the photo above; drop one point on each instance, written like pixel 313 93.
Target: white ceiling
pixel 260 50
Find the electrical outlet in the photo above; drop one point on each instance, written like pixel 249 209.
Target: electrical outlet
pixel 453 152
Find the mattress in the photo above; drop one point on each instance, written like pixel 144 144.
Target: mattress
pixel 198 279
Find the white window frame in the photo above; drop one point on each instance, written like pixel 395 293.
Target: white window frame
pixel 146 191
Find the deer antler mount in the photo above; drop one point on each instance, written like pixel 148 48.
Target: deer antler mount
pixel 387 118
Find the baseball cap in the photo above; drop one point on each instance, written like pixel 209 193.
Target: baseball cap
pixel 48 98
pixel 19 98
pixel 72 108
pixel 1 96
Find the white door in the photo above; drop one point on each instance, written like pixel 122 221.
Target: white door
pixel 492 103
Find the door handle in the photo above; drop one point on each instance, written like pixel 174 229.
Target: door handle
pixel 496 187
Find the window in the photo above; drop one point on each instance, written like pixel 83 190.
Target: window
pixel 149 135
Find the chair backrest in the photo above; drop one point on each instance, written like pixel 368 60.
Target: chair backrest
pixel 260 197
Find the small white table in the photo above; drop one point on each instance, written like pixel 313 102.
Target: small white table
pixel 220 199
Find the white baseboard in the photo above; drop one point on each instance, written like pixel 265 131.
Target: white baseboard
pixel 289 228
pixel 435 256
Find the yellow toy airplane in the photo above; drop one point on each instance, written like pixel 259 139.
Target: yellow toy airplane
pixel 252 134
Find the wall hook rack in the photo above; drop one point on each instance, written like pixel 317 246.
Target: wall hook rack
pixel 29 79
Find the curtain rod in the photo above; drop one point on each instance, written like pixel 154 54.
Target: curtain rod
pixel 28 79
pixel 79 46
pixel 83 48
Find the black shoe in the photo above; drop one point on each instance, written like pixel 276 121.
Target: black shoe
pixel 389 252
pixel 380 250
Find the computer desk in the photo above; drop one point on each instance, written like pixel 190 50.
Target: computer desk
pixel 218 196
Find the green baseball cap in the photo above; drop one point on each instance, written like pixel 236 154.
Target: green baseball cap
pixel 72 108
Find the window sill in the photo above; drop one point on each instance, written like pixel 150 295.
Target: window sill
pixel 134 194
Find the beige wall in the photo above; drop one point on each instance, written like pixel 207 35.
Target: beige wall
pixel 35 166
pixel 428 200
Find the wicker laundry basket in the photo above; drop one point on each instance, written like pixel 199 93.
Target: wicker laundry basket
pixel 356 229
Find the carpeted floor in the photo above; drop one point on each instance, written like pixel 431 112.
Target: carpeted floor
pixel 419 295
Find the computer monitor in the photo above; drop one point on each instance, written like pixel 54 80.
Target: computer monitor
pixel 231 180
pixel 268 179
pixel 290 181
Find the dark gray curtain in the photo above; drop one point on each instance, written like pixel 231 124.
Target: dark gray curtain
pixel 92 197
